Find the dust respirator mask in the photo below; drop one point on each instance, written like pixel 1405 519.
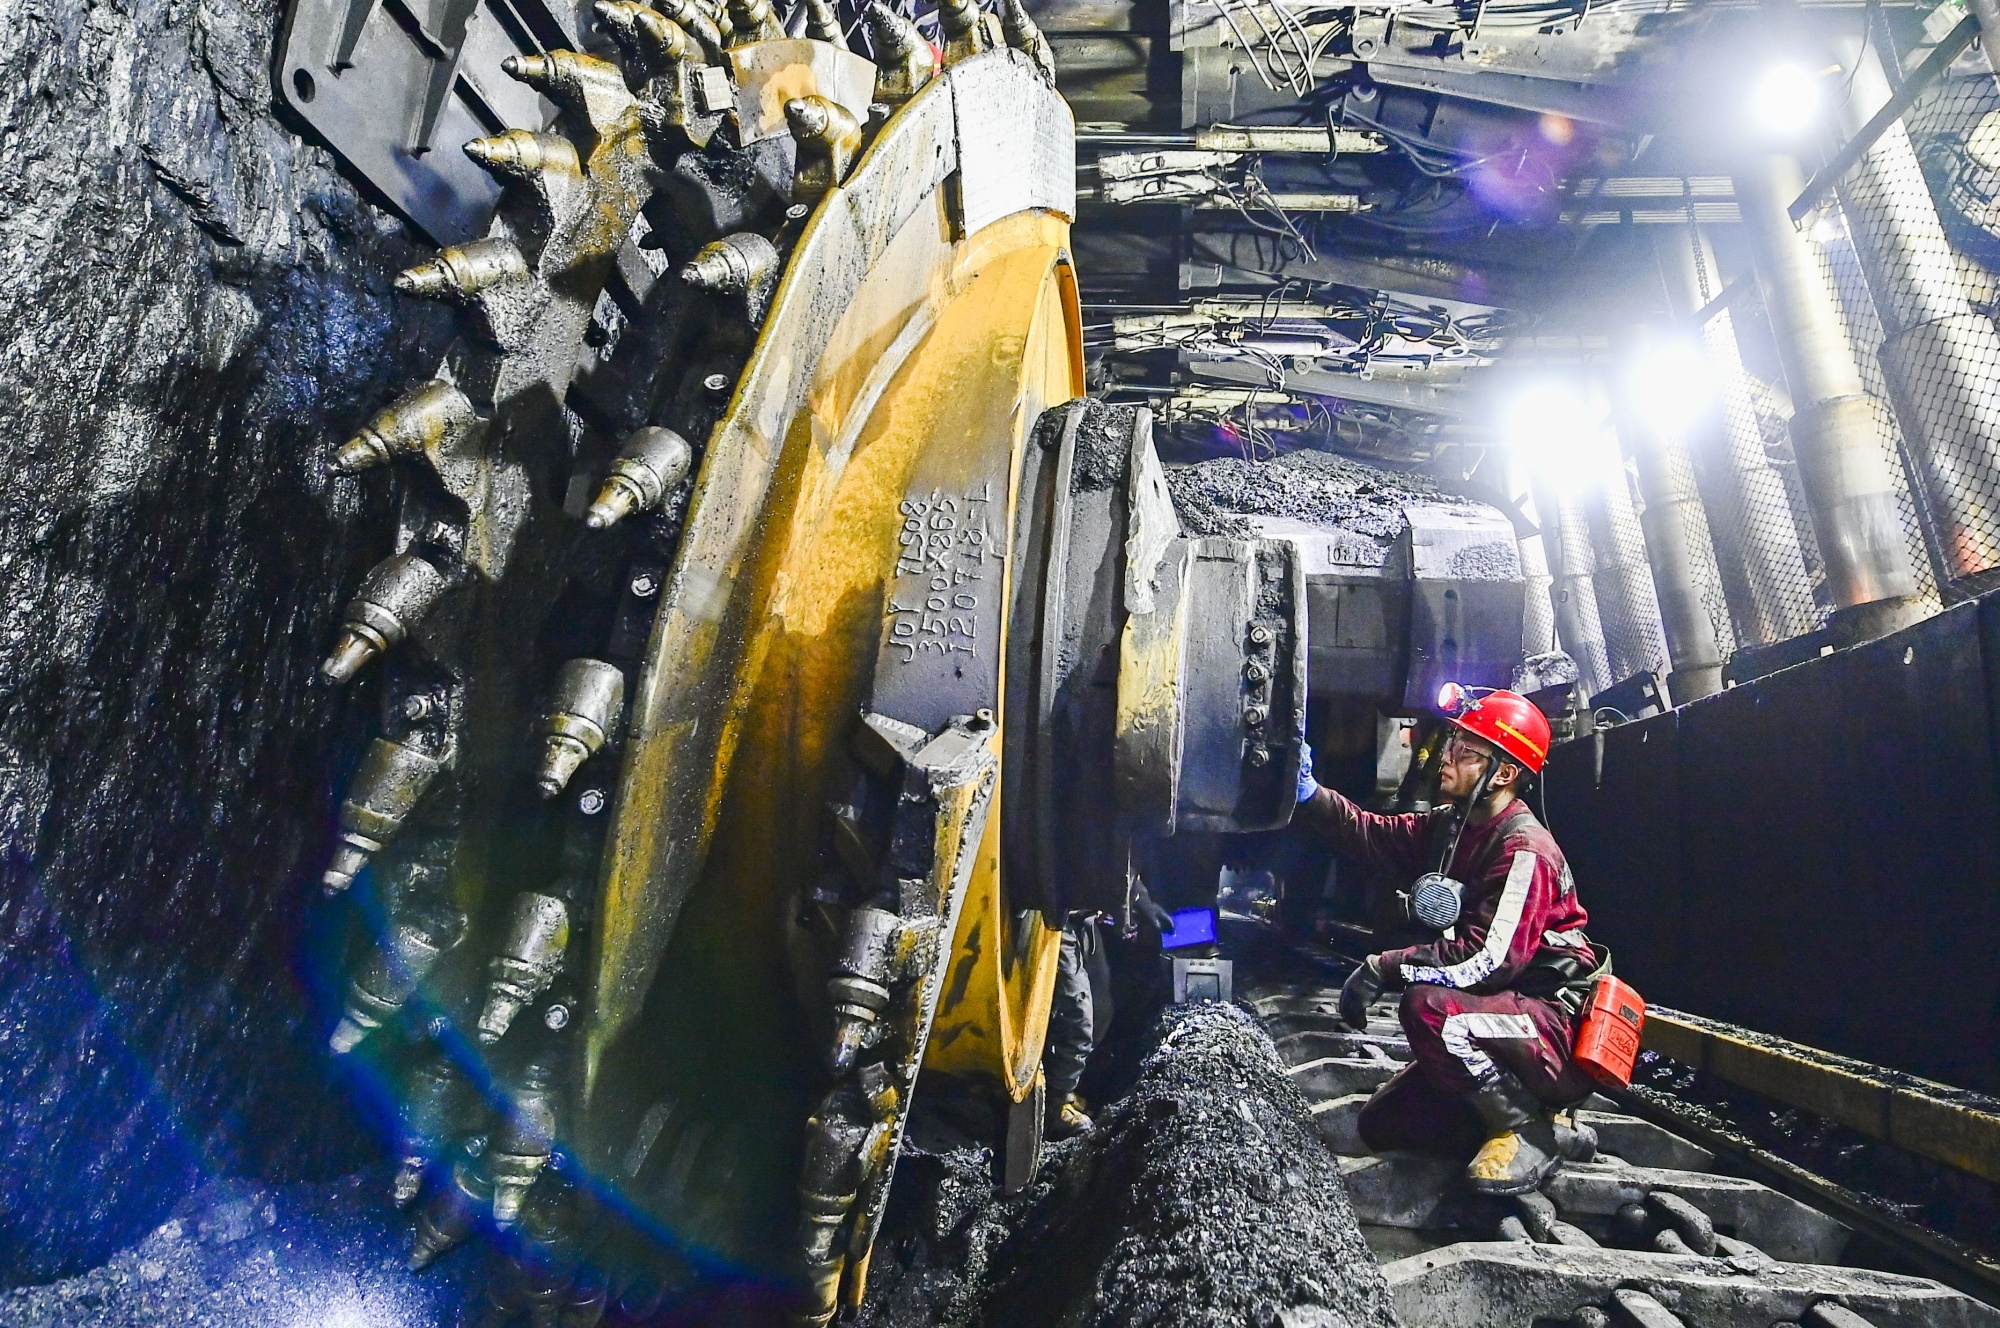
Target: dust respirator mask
pixel 1434 901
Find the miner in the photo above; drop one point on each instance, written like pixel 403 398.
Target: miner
pixel 1080 1007
pixel 1074 1027
pixel 1490 1006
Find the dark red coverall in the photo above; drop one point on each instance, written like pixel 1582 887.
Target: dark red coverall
pixel 1465 1024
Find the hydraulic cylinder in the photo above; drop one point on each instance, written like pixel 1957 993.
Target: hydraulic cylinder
pixel 1849 488
pixel 1566 545
pixel 1758 559
pixel 1940 358
pixel 1676 544
pixel 1627 605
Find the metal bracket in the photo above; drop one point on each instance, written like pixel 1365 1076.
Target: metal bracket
pixel 394 87
pixel 1369 31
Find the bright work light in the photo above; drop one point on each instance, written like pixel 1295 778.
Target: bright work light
pixel 1548 425
pixel 1670 386
pixel 1786 100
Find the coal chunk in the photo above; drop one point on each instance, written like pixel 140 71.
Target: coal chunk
pixel 1319 488
pixel 1202 1199
pixel 235 1254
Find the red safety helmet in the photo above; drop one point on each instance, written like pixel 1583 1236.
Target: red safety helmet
pixel 1508 720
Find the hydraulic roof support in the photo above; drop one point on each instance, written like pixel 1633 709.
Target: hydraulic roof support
pixel 1749 519
pixel 1538 626
pixel 1676 534
pixel 1627 604
pixel 1938 355
pixel 1849 488
pixel 1566 546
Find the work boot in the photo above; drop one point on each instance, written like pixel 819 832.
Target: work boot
pixel 1575 1141
pixel 1067 1120
pixel 1521 1150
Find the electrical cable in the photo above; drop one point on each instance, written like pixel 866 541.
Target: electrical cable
pixel 1291 58
pixel 1418 149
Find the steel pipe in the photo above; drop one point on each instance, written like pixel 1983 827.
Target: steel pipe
pixel 1987 13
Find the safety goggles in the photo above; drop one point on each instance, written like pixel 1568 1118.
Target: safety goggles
pixel 1460 748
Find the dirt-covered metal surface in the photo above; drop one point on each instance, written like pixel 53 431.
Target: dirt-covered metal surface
pixel 1203 1199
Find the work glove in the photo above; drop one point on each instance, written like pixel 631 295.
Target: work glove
pixel 1308 786
pixel 1144 907
pixel 1364 984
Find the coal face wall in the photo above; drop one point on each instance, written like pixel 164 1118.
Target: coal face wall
pixel 1815 854
pixel 194 307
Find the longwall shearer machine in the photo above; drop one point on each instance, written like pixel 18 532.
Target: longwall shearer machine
pixel 776 646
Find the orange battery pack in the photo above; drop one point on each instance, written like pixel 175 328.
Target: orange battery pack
pixel 1607 1039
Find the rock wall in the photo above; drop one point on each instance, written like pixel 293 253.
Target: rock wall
pixel 194 307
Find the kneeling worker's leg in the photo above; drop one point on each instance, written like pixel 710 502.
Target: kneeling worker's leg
pixel 1411 1113
pixel 1482 1047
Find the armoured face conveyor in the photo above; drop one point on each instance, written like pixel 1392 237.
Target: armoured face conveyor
pixel 757 699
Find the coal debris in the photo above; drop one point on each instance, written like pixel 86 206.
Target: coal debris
pixel 1497 560
pixel 1319 488
pixel 1103 441
pixel 1554 668
pixel 1202 1199
pixel 236 1254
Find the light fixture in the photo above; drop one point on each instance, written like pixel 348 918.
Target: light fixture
pixel 1827 228
pixel 1786 100
pixel 1549 425
pixel 1670 386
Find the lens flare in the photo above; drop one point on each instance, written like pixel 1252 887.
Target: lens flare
pixel 338 1311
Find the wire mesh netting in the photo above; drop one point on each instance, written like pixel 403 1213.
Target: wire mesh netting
pixel 1906 243
pixel 1765 574
pixel 1627 603
pixel 1911 242
pixel 1840 267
